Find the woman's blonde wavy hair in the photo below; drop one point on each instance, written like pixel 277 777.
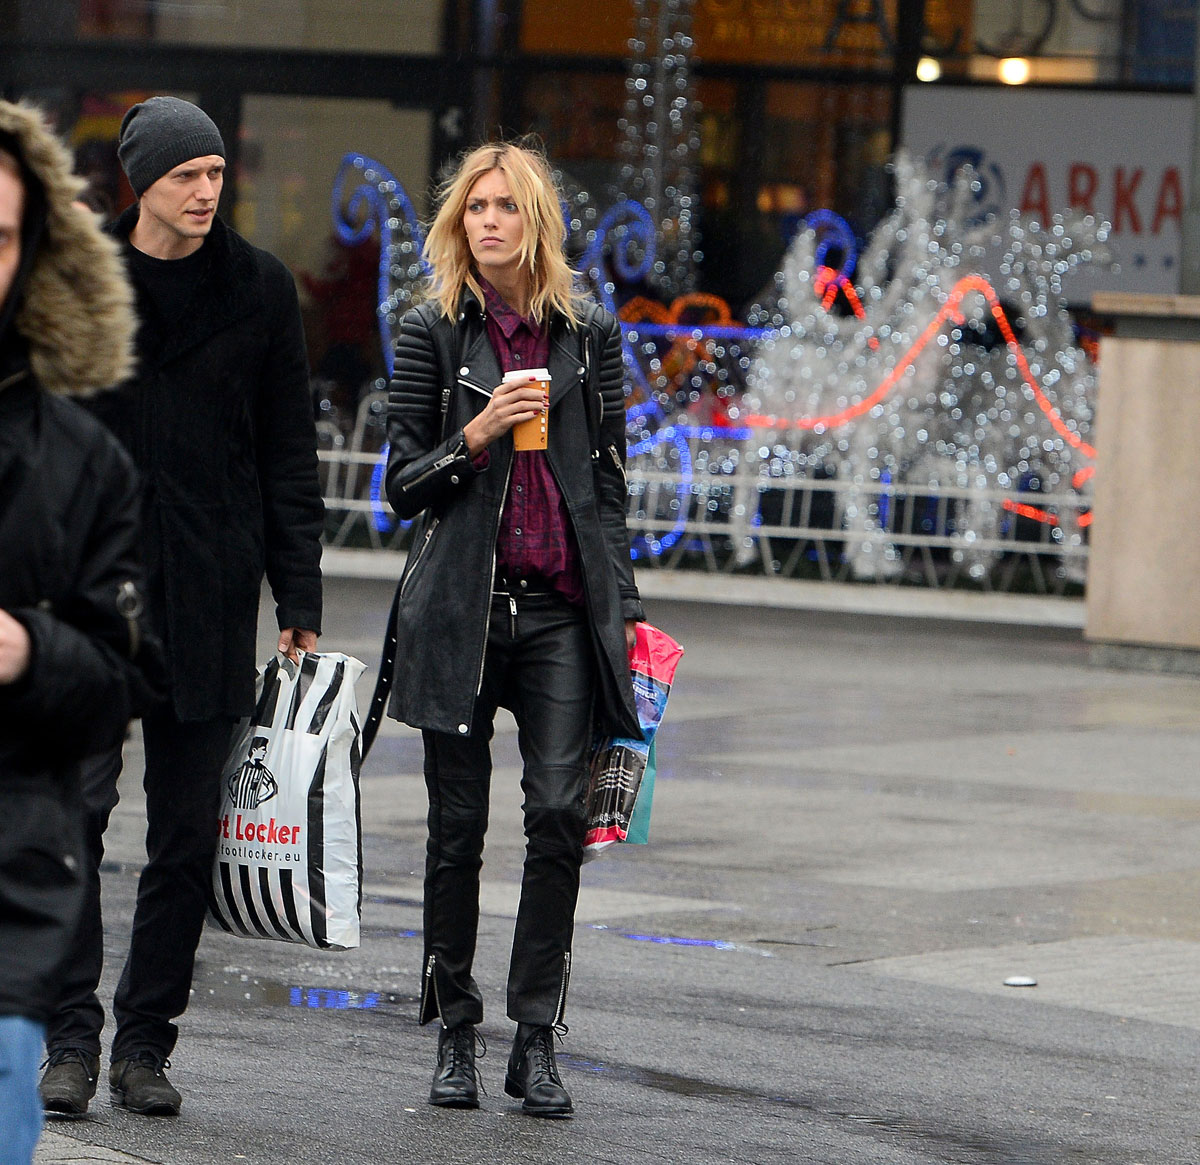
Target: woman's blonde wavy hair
pixel 551 281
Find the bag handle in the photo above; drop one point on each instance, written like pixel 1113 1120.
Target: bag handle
pixel 383 683
pixel 387 659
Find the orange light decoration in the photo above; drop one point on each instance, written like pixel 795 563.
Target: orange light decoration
pixel 713 304
pixel 695 309
pixel 641 309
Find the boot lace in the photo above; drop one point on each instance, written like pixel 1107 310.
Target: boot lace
pixel 463 1041
pixel 151 1060
pixel 540 1050
pixel 68 1056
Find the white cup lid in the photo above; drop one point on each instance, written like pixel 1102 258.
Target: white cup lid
pixel 527 374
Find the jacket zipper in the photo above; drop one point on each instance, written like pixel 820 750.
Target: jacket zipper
pixel 130 607
pixel 424 546
pixel 487 619
pixel 617 462
pixel 587 382
pixel 439 464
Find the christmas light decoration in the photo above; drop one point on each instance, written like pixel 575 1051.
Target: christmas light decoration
pixel 659 142
pixel 379 203
pixel 900 370
pixel 951 394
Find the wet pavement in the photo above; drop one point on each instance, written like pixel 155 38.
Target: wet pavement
pixel 863 826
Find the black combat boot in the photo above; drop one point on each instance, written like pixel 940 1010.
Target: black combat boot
pixel 533 1073
pixel 456 1081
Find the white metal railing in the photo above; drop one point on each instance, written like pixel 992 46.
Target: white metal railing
pixel 720 509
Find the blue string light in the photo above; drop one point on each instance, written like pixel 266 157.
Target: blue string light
pixel 833 231
pixel 382 204
pixel 378 202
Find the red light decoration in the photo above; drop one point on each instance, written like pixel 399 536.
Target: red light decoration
pixel 950 310
pixel 828 282
pixel 1039 515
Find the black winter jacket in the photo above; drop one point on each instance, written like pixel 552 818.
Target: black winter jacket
pixel 218 419
pixel 444 373
pixel 70 572
pixel 69 563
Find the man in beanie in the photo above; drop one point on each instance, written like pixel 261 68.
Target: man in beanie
pixel 76 659
pixel 218 417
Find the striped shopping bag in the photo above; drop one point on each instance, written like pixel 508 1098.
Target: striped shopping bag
pixel 289 837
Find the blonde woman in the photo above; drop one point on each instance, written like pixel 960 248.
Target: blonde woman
pixel 518 591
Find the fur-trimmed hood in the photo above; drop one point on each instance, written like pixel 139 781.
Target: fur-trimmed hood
pixel 77 313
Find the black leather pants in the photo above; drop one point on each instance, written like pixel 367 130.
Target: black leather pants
pixel 539 665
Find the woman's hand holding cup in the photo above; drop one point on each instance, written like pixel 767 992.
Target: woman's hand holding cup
pixel 522 398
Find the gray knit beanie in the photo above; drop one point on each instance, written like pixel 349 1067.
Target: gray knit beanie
pixel 159 134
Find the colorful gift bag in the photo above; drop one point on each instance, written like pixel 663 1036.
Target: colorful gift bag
pixel 639 819
pixel 289 848
pixel 620 765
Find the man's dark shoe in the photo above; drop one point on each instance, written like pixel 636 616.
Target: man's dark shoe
pixel 456 1082
pixel 69 1081
pixel 139 1084
pixel 533 1074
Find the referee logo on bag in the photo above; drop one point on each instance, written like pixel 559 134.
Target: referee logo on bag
pixel 253 783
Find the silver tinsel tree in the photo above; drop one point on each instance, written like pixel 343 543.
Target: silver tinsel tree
pixel 942 379
pixel 659 140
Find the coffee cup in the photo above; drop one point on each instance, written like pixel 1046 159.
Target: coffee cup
pixel 533 433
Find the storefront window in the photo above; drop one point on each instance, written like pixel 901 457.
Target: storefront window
pixel 576 115
pixel 375 26
pixel 89 123
pixel 291 152
pixel 826 147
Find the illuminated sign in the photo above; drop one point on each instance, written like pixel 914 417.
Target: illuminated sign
pixel 1046 152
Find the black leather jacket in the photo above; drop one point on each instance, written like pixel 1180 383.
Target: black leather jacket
pixel 444 373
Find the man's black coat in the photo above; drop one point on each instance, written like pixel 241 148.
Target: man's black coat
pixel 218 418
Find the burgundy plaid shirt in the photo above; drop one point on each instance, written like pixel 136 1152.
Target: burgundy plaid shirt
pixel 536 543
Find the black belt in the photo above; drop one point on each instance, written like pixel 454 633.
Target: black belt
pixel 522 588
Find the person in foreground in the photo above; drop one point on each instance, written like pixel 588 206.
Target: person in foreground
pixel 218 417
pixel 518 592
pixel 76 660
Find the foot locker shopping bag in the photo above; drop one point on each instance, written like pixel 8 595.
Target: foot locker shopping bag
pixel 289 840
